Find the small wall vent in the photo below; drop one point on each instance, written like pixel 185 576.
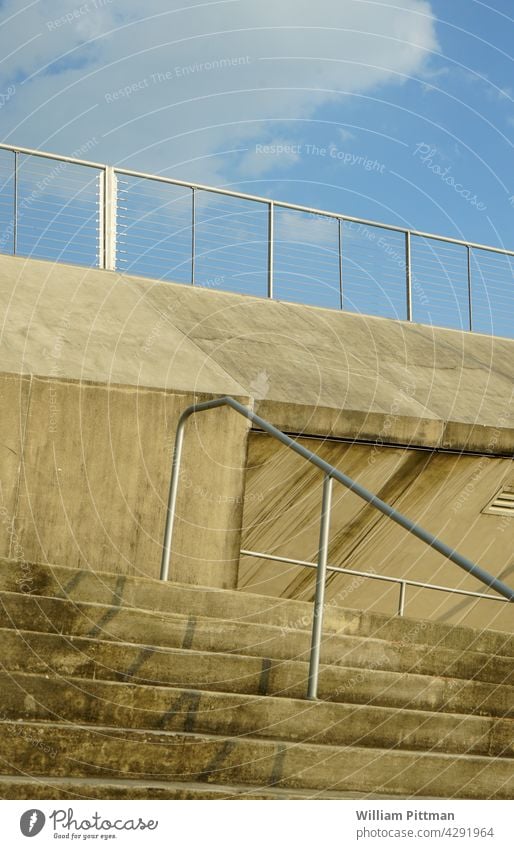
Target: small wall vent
pixel 503 502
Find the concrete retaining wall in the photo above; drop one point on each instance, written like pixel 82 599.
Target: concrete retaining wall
pixel 84 474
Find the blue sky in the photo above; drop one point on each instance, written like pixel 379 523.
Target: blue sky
pixel 366 80
pixel 394 110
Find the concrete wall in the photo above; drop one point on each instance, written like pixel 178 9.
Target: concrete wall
pixel 310 370
pixel 445 493
pixel 84 476
pixel 98 365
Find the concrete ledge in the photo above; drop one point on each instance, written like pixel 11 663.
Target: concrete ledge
pixel 313 370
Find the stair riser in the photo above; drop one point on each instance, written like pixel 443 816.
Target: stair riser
pixel 79 752
pixel 49 615
pixel 129 706
pixel 42 653
pixel 106 588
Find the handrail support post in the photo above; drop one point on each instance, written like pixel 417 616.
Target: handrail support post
pixel 271 246
pixel 15 204
pixel 470 290
pixel 340 258
pixel 193 236
pixel 408 275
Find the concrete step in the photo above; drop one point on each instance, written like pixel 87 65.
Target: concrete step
pixel 145 593
pixel 67 751
pixel 41 613
pixel 30 651
pixel 14 787
pixel 32 698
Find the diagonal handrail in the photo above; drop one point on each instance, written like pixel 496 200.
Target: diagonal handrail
pixel 331 474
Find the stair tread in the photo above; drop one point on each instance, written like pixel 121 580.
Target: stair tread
pixel 170 756
pixel 255 639
pixel 114 733
pixel 134 706
pixel 390 680
pixel 152 690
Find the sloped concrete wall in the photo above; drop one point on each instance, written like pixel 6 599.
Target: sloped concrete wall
pixel 444 492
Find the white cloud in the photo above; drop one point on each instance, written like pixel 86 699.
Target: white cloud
pixel 346 135
pixel 170 85
pixel 265 157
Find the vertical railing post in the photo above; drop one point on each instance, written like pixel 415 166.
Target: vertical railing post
pixel 193 235
pixel 319 600
pixel 401 602
pixel 172 501
pixel 271 237
pixel 470 298
pixel 15 206
pixel 340 241
pixel 408 275
pixel 108 207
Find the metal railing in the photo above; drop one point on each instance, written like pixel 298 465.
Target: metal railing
pixel 331 474
pixel 403 583
pixel 68 209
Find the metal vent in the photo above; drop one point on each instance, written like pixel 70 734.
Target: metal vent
pixel 503 502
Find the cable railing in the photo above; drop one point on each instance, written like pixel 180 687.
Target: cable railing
pixel 330 474
pixel 71 210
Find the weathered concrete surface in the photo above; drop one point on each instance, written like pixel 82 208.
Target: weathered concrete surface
pixel 70 322
pixel 88 657
pixel 90 486
pixel 235 607
pixel 189 757
pixel 108 703
pixel 445 493
pixel 14 394
pixel 312 370
pixel 107 622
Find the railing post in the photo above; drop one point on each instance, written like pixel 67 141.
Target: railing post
pixel 15 206
pixel 172 501
pixel 470 301
pixel 408 275
pixel 271 237
pixel 108 204
pixel 193 235
pixel 401 602
pixel 319 601
pixel 340 240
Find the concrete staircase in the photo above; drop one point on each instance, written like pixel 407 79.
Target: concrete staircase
pixel 118 687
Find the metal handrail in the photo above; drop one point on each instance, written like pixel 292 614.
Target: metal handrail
pixel 403 582
pixel 108 207
pixel 330 474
